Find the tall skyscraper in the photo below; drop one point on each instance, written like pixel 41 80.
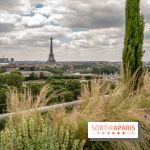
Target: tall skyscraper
pixel 51 60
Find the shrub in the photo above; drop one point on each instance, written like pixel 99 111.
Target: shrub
pixel 2 79
pixel 68 96
pixel 120 104
pixel 35 88
pixel 30 136
pixel 3 97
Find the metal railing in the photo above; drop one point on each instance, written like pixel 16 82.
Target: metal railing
pixel 43 109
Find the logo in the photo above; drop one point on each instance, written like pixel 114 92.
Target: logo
pixel 104 131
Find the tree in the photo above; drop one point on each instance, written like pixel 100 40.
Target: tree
pixel 15 79
pixel 2 79
pixel 56 70
pixel 3 97
pixel 133 43
pixel 33 76
pixel 68 96
pixel 108 69
pixel 35 88
pixel 42 75
pixel 88 77
pixel 95 70
pixel 74 86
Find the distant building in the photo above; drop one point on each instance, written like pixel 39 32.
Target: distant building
pixel 12 60
pixel 9 67
pixel 28 73
pixel 6 60
pixel 51 60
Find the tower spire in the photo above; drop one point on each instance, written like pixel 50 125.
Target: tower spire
pixel 51 59
pixel 51 46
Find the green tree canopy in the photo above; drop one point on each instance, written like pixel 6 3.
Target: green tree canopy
pixel 3 97
pixel 2 79
pixel 95 70
pixel 33 76
pixel 133 43
pixel 15 79
pixel 56 70
pixel 35 88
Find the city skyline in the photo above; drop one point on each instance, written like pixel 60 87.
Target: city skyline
pixel 82 30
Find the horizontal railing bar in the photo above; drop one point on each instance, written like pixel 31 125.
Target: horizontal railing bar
pixel 43 109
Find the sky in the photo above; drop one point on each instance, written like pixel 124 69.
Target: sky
pixel 82 30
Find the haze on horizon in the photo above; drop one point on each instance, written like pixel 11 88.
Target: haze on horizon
pixel 82 30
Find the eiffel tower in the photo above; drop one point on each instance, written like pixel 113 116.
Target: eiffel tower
pixel 51 60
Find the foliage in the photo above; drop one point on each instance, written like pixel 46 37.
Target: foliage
pixel 88 77
pixel 2 124
pixel 95 70
pixel 68 96
pixel 109 70
pixel 2 79
pixel 68 90
pixel 3 98
pixel 74 86
pixel 56 70
pixel 42 75
pixel 35 88
pixel 30 136
pixel 33 68
pixel 120 104
pixel 33 76
pixel 25 100
pixel 15 79
pixel 106 69
pixel 133 43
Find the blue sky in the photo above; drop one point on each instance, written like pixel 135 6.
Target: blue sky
pixel 83 30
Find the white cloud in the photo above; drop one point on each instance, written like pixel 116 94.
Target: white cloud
pixel 82 30
pixel 36 20
pixel 7 18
